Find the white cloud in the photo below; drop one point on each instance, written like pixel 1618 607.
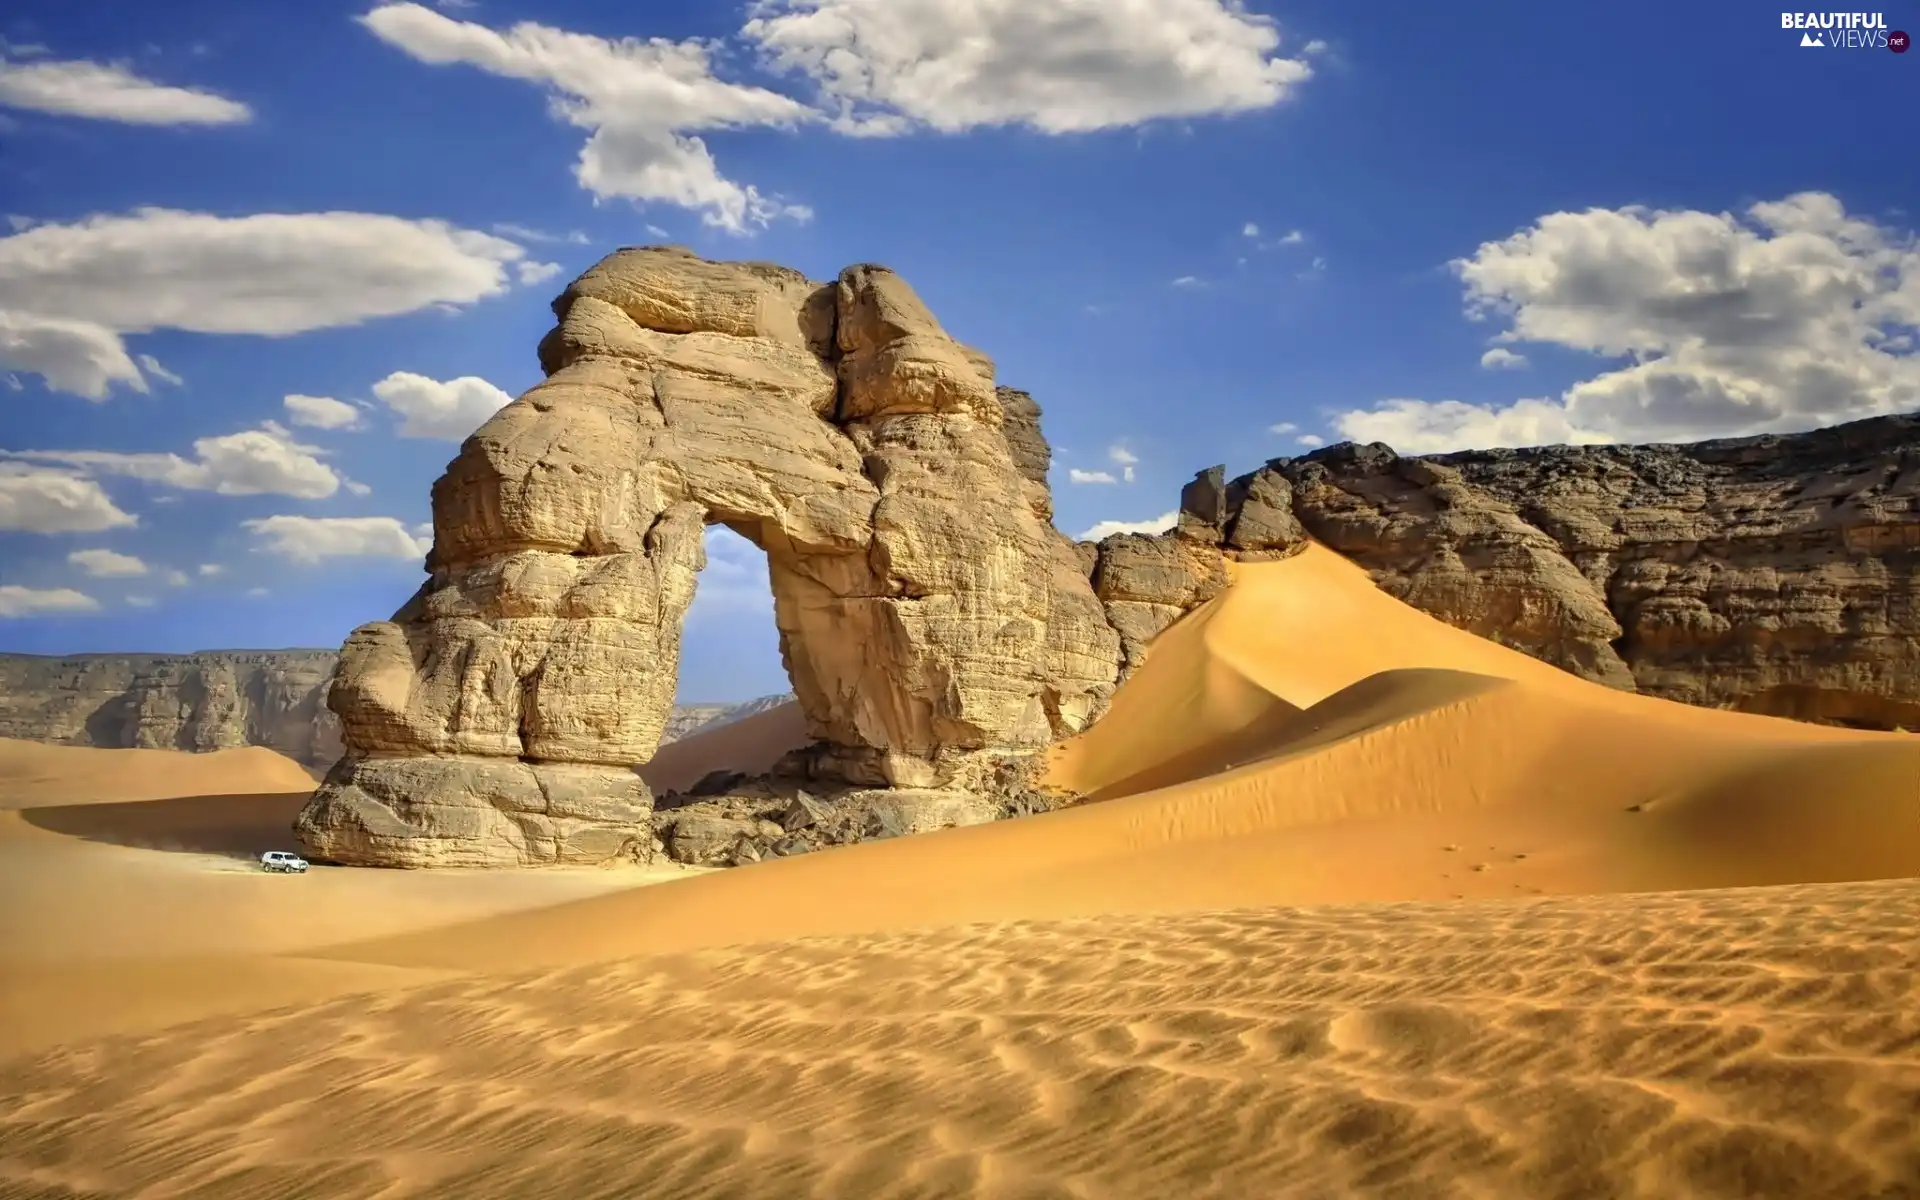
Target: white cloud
pixel 1284 427
pixel 1065 66
pixel 531 272
pixel 1315 269
pixel 1125 459
pixel 1789 316
pixel 355 487
pixel 526 233
pixel 1501 358
pixel 640 102
pixel 208 570
pixel 1310 440
pixel 1189 281
pixel 311 539
pixel 177 578
pixel 16 601
pixel 321 412
pixel 656 231
pixel 1105 529
pixel 44 500
pixel 254 462
pixel 69 292
pixel 107 564
pixel 1250 230
pixel 1437 426
pixel 1316 46
pixel 430 408
pixel 110 92
pixel 1293 237
pixel 1076 475
pixel 141 601
pixel 77 357
pixel 256 593
pixel 151 366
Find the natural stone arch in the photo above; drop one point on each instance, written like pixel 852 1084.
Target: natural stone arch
pixel 929 614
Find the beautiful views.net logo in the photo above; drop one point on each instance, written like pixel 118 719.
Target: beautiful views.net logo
pixel 1846 31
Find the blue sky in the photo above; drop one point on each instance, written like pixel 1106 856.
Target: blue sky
pixel 1198 232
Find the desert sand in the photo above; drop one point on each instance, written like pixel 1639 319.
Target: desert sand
pixel 1358 905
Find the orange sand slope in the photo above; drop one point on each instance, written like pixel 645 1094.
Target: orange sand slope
pixel 1707 1045
pixel 130 895
pixel 1307 739
pixel 33 773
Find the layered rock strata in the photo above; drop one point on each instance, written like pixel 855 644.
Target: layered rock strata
pixel 212 700
pixel 928 612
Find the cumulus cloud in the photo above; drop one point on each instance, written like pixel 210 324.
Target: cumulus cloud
pixel 1189 281
pixel 640 101
pixel 1791 315
pixel 1076 475
pixel 1283 427
pixel 1310 440
pixel 1066 66
pixel 321 412
pixel 152 367
pixel 107 564
pixel 432 408
pixel 1500 358
pixel 1105 529
pixel 531 272
pixel 111 92
pixel 68 293
pixel 77 357
pixel 254 462
pixel 207 570
pixel 312 539
pixel 1125 459
pixel 16 601
pixel 44 500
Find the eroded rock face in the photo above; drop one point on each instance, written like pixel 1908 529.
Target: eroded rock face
pixel 1776 574
pixel 207 701
pixel 924 619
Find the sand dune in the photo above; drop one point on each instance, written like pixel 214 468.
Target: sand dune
pixel 749 745
pixel 1707 1045
pixel 33 773
pixel 1359 906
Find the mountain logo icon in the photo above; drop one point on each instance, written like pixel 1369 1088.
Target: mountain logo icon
pixel 1811 39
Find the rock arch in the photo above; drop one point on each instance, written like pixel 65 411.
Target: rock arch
pixel 929 613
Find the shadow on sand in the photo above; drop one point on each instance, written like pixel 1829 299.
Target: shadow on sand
pixel 238 827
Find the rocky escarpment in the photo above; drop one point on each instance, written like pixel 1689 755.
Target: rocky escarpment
pixel 1776 574
pixel 207 701
pixel 931 619
pixel 213 700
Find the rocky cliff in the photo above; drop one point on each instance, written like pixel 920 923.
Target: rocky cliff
pixel 206 701
pixel 1776 574
pixel 212 700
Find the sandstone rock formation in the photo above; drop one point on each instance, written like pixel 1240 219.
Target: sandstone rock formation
pixel 930 617
pixel 207 701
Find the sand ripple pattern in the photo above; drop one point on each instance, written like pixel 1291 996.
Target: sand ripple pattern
pixel 1758 1043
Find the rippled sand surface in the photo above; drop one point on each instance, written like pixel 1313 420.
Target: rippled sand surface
pixel 1715 1044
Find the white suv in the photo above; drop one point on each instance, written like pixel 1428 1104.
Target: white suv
pixel 280 860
